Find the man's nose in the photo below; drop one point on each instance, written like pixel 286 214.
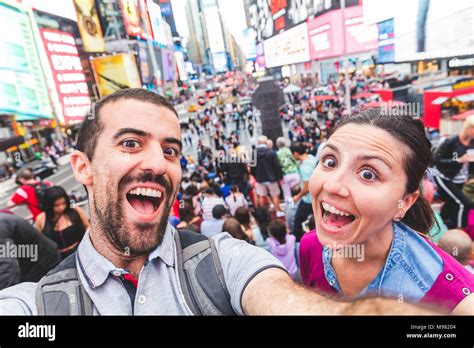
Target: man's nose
pixel 154 160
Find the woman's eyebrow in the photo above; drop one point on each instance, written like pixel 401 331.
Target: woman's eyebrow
pixel 373 157
pixel 332 147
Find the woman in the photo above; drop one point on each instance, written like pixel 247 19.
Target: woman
pixel 235 199
pixel 189 221
pixel 372 221
pixel 61 223
pixel 242 215
pixel 289 166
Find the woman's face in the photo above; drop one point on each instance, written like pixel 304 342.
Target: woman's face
pixel 60 206
pixel 358 187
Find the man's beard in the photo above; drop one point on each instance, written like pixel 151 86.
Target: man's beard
pixel 110 219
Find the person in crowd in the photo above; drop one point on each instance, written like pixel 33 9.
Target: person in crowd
pixel 235 200
pixel 283 246
pixel 267 173
pixel 439 228
pixel 35 254
pixel 212 227
pixel 453 161
pixel 211 199
pixel 234 228
pixel 289 166
pixel 459 245
pixel 307 163
pixel 60 222
pixel 26 192
pixel 372 221
pixel 235 170
pixel 189 221
pixel 242 215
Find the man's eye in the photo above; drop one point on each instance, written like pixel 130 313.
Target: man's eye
pixel 131 144
pixel 329 162
pixel 170 151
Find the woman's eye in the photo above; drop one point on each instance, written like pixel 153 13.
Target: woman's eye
pixel 131 144
pixel 329 162
pixel 368 175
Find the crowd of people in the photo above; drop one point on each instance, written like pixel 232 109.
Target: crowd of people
pixel 331 181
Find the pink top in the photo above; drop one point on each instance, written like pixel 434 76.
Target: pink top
pixel 451 286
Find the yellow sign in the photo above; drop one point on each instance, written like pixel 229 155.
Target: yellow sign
pixel 463 84
pixel 115 72
pixel 89 26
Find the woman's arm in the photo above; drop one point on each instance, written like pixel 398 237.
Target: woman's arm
pixel 40 221
pixel 465 307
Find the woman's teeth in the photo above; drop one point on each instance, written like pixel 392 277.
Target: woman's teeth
pixel 334 210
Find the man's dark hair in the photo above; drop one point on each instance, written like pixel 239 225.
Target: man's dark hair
pixel 298 147
pixel 91 127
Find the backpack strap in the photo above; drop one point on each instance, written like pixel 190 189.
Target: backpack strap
pixel 60 292
pixel 201 275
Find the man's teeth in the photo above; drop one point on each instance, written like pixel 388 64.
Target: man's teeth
pixel 334 210
pixel 145 192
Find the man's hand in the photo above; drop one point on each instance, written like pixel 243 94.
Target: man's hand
pixel 273 292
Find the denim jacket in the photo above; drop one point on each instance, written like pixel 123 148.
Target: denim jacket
pixel 410 270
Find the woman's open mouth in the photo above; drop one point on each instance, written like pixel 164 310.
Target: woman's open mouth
pixel 334 218
pixel 144 200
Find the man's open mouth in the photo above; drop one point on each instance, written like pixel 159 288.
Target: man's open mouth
pixel 144 200
pixel 334 217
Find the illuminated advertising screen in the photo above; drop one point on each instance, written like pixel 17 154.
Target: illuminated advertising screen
pixel 89 26
pixel 116 72
pixel 68 75
pixel 214 29
pixel 249 46
pixel 386 50
pixel 157 23
pixel 289 47
pixel 23 89
pixel 183 74
pixel 168 64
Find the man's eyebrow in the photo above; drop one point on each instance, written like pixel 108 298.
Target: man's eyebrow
pixel 332 147
pixel 176 141
pixel 371 157
pixel 123 131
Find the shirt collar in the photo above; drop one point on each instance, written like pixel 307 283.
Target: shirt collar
pixel 96 268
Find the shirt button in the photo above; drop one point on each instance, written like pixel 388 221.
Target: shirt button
pixel 466 291
pixel 116 273
pixel 331 282
pixel 449 276
pixel 141 299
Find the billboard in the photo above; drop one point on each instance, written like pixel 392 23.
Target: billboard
pixel 115 72
pixel 249 45
pixel 68 75
pixel 23 89
pixel 326 36
pixel 89 26
pixel 214 29
pixel 131 17
pixel 183 74
pixel 386 50
pixel 433 29
pixel 289 47
pixel 269 18
pixel 157 24
pixel 168 64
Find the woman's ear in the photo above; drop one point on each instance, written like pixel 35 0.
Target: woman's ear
pixel 409 200
pixel 81 167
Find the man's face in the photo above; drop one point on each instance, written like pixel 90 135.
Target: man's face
pixel 135 174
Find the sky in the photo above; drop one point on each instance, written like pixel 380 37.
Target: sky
pixel 232 12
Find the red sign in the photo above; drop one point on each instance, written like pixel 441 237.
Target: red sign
pixel 326 38
pixel 68 75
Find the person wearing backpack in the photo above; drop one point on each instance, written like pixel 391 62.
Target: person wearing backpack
pixel 131 261
pixel 28 192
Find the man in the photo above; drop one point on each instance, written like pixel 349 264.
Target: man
pixel 307 165
pixel 211 199
pixel 26 193
pixel 212 227
pixel 454 161
pixel 30 254
pixel 126 262
pixel 267 173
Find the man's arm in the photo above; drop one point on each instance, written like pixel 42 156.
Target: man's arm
pixel 273 292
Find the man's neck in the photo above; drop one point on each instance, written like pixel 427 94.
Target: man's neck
pixel 119 259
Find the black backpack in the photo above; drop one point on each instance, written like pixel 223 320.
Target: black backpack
pixel 60 292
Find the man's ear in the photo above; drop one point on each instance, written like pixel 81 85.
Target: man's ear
pixel 81 167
